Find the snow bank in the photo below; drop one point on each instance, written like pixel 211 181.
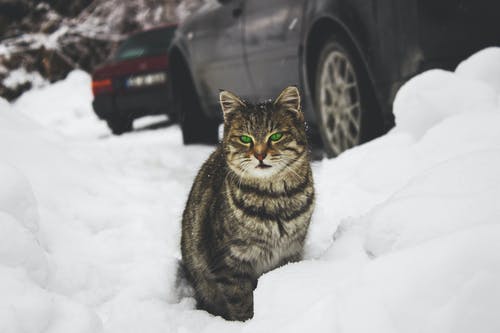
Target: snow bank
pixel 418 212
pixel 88 239
pixel 436 95
pixel 404 236
pixel 65 106
pixel 26 304
pixel 482 66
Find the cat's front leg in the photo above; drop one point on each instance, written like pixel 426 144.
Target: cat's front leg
pixel 237 289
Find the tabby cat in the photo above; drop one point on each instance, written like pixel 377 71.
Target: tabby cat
pixel 250 205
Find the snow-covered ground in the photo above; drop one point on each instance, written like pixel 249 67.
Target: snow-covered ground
pixel 405 236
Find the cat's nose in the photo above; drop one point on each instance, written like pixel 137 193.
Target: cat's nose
pixel 260 155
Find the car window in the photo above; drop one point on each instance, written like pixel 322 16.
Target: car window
pixel 149 43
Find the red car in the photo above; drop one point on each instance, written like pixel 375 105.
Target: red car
pixel 134 83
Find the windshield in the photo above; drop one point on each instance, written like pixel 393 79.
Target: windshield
pixel 149 43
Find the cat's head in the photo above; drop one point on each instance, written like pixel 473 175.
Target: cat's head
pixel 265 139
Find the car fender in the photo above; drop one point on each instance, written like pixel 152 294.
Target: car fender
pixel 348 23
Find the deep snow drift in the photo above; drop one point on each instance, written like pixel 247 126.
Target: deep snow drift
pixel 405 237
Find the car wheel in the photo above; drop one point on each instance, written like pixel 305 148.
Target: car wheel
pixel 196 126
pixel 340 98
pixel 120 125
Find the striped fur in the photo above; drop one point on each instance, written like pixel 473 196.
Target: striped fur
pixel 242 220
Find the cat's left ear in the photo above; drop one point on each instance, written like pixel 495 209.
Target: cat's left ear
pixel 229 102
pixel 289 99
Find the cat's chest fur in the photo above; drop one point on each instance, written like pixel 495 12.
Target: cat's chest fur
pixel 271 224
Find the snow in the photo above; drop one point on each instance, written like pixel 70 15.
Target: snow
pixel 483 67
pixel 20 76
pixel 65 106
pixel 404 237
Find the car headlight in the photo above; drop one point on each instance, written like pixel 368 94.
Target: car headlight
pixel 146 80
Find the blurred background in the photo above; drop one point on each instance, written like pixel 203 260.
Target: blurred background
pixel 42 41
pixel 171 57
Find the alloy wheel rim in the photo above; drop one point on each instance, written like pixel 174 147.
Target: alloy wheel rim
pixel 340 108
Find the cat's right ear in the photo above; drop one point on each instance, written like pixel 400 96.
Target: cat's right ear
pixel 229 102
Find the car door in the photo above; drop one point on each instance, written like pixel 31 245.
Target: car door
pixel 272 36
pixel 217 51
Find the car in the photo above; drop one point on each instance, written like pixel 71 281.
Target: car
pixel 134 82
pixel 347 57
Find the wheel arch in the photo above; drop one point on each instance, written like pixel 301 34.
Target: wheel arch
pixel 322 30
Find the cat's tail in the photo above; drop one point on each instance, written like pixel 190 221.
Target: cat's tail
pixel 183 285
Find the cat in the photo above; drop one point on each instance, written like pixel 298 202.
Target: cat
pixel 250 205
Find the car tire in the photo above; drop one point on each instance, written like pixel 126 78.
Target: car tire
pixel 120 125
pixel 342 96
pixel 196 127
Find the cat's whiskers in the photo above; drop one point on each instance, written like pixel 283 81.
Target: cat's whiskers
pixel 285 164
pixel 231 176
pixel 237 177
pixel 245 167
pixel 292 173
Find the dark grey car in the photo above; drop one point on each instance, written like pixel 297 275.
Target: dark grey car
pixel 348 57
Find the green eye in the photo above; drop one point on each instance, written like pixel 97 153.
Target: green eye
pixel 245 139
pixel 276 136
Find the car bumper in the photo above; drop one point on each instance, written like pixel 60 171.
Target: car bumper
pixel 134 103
